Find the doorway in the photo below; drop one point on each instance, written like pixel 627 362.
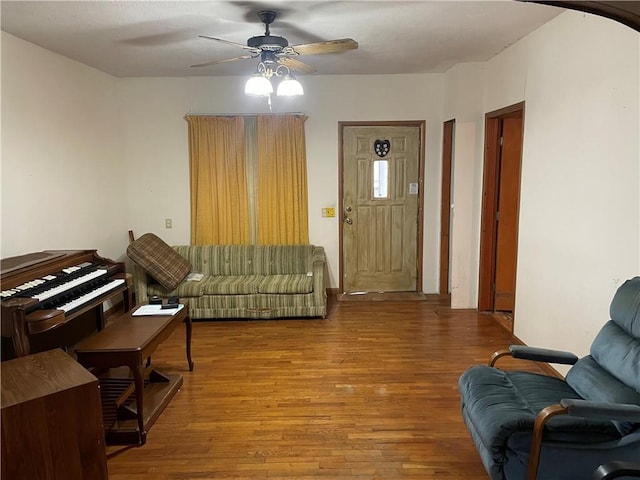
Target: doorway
pixel 448 129
pixel 381 200
pixel 500 209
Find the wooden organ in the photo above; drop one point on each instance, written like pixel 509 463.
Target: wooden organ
pixel 55 298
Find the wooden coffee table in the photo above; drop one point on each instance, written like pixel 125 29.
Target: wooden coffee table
pixel 143 392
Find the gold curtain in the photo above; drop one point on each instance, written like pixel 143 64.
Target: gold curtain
pixel 282 181
pixel 218 180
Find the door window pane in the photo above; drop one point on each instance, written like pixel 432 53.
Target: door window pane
pixel 380 179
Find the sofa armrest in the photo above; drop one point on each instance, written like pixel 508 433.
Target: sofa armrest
pixel 318 255
pixel 319 262
pixel 140 284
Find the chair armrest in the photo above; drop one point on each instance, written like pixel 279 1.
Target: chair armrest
pixel 612 470
pixel 542 354
pixel 602 410
pixel 576 408
pixel 535 354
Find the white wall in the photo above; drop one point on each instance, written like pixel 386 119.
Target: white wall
pixel 62 164
pixel 464 272
pixel 464 102
pixel 156 149
pixel 579 237
pixel 580 200
pixel 86 156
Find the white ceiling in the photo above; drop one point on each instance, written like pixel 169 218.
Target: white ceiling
pixel 160 38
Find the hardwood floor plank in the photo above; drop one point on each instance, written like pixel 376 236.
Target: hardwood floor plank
pixel 368 393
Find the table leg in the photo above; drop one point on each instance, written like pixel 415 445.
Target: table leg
pixel 138 377
pixel 187 322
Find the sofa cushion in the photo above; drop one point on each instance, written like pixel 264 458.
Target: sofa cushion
pixel 220 259
pixel 284 259
pixel 231 285
pixel 286 284
pixel 159 260
pixel 186 289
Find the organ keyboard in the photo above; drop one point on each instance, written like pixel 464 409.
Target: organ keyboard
pixel 55 298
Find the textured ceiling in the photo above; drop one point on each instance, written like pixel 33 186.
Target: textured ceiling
pixel 160 38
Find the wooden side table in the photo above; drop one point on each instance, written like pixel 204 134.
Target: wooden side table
pixel 129 341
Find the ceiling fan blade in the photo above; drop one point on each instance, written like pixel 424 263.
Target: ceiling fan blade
pixel 206 64
pixel 330 46
pixel 296 65
pixel 246 47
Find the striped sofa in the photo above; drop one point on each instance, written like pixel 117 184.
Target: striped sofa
pixel 235 281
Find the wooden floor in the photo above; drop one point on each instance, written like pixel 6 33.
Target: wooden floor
pixel 368 393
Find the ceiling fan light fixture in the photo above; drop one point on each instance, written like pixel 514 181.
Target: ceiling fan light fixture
pixel 258 85
pixel 289 87
pixel 277 59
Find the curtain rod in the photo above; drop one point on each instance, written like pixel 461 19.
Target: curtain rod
pixel 242 114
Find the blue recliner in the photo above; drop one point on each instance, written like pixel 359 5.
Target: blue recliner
pixel 532 426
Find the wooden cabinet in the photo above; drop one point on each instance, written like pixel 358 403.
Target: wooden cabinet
pixel 51 419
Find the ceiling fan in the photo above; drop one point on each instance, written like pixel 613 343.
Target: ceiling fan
pixel 274 50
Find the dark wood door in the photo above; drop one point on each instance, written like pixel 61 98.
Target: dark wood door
pixel 507 214
pixel 500 209
pixel 445 204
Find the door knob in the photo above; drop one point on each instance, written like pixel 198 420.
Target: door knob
pixel 348 209
pixel 348 221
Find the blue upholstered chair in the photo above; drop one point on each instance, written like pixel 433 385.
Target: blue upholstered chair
pixel 533 426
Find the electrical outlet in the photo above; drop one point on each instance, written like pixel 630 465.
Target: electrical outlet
pixel 167 223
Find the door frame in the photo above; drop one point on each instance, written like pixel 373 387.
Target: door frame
pixel 420 124
pixel 490 187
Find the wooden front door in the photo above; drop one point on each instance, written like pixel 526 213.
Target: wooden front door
pixel 501 199
pixel 381 192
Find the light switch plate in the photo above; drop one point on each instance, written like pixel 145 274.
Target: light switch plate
pixel 328 212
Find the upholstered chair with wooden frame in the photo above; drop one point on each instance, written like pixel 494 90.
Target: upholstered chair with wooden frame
pixel 532 426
